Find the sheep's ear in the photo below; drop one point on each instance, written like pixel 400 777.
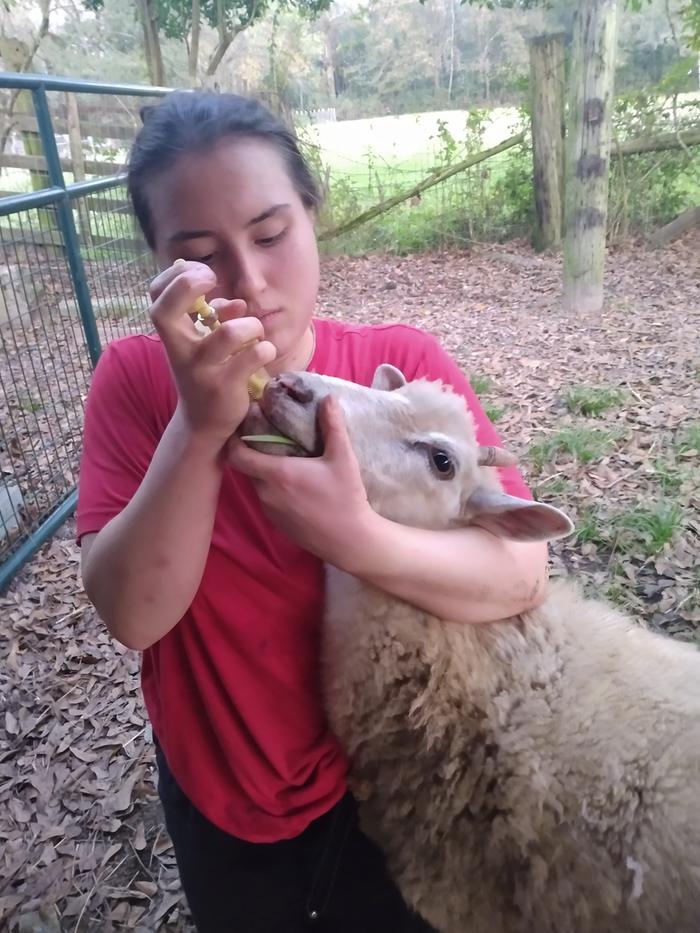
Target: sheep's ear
pixel 519 519
pixel 388 377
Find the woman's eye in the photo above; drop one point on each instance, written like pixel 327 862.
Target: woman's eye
pixel 204 259
pixel 443 464
pixel 271 240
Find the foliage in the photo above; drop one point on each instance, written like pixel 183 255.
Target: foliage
pixel 227 17
pixel 691 24
pixel 390 57
pixel 651 188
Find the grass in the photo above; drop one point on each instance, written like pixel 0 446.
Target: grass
pixel 480 384
pixel 668 477
pixel 403 138
pixel 583 444
pixel 494 413
pixel 619 593
pixel 29 404
pixel 649 528
pixel 689 439
pixel 588 529
pixel 591 401
pixel 551 488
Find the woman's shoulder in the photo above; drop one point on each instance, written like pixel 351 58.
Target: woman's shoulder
pixel 134 350
pixel 134 371
pixel 137 359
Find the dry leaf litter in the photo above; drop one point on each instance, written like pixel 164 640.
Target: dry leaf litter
pixel 83 844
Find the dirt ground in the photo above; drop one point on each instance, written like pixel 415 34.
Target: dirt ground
pixel 604 416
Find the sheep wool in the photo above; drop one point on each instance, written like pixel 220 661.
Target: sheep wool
pixel 535 775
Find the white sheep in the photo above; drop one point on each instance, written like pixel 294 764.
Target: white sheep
pixel 536 775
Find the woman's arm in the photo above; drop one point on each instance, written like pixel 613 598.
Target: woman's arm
pixel 142 568
pixel 465 574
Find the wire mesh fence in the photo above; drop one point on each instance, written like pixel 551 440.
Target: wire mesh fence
pixel 365 162
pixel 488 202
pixel 46 357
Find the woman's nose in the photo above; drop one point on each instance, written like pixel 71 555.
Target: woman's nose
pixel 249 280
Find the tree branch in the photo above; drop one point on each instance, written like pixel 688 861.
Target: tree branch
pixel 226 35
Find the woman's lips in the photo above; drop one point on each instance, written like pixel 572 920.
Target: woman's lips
pixel 268 315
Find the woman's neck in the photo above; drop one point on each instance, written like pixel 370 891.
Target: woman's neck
pixel 298 358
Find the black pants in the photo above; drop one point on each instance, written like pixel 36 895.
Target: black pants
pixel 331 878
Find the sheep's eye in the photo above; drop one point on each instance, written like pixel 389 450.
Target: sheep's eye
pixel 443 464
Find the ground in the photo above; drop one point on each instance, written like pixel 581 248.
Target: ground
pixel 604 416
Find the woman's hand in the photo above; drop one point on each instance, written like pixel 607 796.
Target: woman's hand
pixel 211 372
pixel 466 575
pixel 319 503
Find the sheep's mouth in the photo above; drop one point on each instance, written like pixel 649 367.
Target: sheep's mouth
pixel 296 446
pixel 270 428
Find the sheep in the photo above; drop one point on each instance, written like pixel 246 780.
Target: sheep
pixel 535 775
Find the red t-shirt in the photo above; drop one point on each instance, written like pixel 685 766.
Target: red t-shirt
pixel 233 689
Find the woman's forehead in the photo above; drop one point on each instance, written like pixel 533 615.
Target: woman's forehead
pixel 239 178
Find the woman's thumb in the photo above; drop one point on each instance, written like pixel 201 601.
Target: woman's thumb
pixel 336 440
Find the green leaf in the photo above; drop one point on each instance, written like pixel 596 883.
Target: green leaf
pixel 269 439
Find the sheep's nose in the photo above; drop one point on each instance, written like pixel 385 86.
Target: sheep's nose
pixel 293 385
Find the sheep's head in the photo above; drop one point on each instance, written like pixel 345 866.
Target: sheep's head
pixel 416 446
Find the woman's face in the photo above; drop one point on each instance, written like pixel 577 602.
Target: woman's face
pixel 235 208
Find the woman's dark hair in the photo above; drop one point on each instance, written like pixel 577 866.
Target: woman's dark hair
pixel 195 121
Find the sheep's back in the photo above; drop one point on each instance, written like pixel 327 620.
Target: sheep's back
pixel 533 764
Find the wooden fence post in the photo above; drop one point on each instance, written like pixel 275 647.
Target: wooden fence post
pixel 75 141
pixel 588 154
pixel 547 78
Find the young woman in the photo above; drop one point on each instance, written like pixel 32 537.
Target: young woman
pixel 207 556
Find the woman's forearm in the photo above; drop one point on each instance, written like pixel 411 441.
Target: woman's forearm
pixel 464 574
pixel 143 568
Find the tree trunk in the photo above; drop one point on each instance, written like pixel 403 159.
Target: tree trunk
pixel 18 56
pixel 194 42
pixel 330 59
pixel 148 14
pixel 226 37
pixel 547 79
pixel 588 154
pixel 453 17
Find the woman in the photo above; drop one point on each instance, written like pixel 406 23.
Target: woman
pixel 207 556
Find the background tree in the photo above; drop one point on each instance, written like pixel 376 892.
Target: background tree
pixel 183 19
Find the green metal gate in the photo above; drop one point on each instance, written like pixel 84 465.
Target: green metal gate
pixel 73 276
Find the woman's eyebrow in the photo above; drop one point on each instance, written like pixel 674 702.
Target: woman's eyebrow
pixel 189 235
pixel 194 234
pixel 268 213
